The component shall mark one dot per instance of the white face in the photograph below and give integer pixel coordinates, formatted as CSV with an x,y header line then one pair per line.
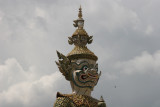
x,y
80,23
85,73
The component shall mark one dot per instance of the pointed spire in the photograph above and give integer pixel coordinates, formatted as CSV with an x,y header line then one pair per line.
x,y
80,39
80,12
79,22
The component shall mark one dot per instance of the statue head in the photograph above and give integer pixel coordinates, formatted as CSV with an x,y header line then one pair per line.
x,y
84,73
81,72
80,66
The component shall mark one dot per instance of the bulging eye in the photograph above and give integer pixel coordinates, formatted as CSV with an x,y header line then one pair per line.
x,y
85,68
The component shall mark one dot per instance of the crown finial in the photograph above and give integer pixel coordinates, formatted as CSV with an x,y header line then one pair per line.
x,y
80,39
80,36
80,12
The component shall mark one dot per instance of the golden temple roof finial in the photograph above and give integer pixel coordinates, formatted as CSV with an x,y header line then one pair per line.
x,y
79,22
80,39
80,12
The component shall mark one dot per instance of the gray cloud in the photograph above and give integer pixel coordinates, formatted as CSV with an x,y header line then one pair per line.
x,y
146,63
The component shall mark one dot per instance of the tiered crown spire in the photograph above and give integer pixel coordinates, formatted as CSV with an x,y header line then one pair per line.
x,y
80,39
80,12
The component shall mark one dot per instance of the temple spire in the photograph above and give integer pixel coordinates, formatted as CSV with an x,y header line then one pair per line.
x,y
80,36
80,12
80,39
79,22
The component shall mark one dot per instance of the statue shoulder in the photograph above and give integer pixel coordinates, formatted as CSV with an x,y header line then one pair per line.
x,y
63,101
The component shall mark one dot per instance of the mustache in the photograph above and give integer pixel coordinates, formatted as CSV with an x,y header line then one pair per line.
x,y
91,75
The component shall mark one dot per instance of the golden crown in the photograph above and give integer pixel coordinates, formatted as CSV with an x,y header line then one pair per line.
x,y
80,39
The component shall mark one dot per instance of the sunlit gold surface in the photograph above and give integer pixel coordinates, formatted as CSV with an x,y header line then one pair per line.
x,y
81,52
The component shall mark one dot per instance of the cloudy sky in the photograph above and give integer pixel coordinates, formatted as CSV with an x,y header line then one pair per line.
x,y
126,41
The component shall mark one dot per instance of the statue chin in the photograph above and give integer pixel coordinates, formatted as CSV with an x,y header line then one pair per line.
x,y
80,91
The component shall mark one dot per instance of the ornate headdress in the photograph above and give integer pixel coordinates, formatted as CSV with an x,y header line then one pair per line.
x,y
80,39
82,74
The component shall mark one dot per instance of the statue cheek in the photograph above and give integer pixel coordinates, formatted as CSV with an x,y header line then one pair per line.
x,y
76,73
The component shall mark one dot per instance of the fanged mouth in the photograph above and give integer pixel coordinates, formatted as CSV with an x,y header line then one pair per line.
x,y
92,76
84,77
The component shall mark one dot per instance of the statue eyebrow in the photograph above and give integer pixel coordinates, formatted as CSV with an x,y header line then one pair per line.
x,y
96,65
80,63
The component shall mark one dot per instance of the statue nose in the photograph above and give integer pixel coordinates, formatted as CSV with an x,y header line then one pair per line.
x,y
93,71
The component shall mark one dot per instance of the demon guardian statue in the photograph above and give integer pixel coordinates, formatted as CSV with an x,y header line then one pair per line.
x,y
80,68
